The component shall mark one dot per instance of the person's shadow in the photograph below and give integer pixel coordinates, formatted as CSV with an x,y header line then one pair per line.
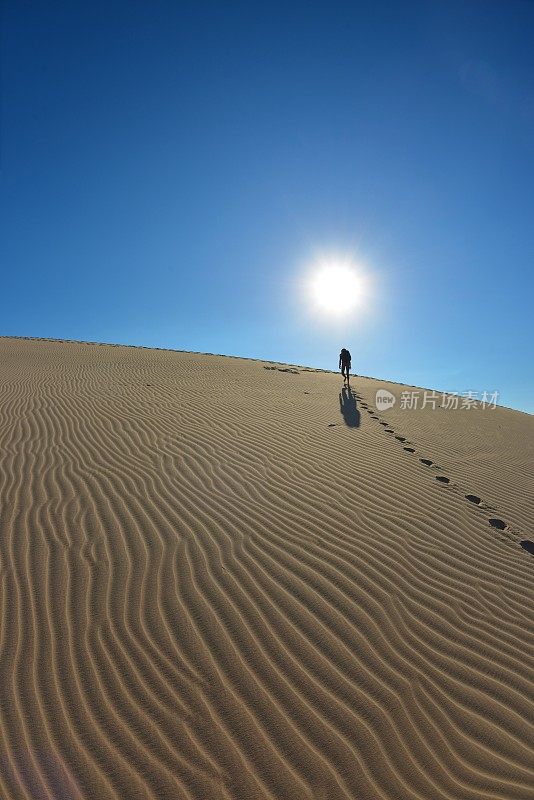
x,y
347,406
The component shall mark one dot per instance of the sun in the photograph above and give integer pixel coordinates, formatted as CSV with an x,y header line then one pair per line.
x,y
336,288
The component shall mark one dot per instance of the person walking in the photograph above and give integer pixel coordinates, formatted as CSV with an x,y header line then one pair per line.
x,y
344,365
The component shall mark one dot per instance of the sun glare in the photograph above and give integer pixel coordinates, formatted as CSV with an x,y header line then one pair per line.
x,y
336,288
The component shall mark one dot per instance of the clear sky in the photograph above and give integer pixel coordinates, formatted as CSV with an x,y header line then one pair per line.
x,y
171,172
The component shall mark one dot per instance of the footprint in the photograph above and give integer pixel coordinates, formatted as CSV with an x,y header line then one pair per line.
x,y
426,461
497,523
390,430
443,479
384,424
401,438
332,425
374,416
306,392
473,498
409,449
528,546
370,412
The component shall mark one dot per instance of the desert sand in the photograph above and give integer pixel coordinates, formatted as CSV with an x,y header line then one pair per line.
x,y
214,584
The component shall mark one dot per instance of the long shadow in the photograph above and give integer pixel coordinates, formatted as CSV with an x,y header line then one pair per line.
x,y
347,406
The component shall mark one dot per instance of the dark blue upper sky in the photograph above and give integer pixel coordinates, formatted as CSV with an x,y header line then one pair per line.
x,y
169,171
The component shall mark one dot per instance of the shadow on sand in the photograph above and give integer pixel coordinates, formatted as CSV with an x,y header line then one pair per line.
x,y
347,406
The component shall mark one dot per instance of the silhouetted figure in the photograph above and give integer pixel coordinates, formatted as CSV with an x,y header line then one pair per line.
x,y
347,406
344,365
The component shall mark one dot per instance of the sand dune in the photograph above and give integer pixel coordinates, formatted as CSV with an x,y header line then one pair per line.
x,y
214,584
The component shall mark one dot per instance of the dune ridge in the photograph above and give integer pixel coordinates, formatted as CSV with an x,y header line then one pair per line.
x,y
213,587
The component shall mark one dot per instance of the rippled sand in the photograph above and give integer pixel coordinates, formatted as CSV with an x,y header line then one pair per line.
x,y
218,582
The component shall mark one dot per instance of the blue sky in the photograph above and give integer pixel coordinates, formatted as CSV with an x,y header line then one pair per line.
x,y
171,170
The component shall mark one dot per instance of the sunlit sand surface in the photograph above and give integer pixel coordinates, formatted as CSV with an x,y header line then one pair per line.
x,y
222,579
